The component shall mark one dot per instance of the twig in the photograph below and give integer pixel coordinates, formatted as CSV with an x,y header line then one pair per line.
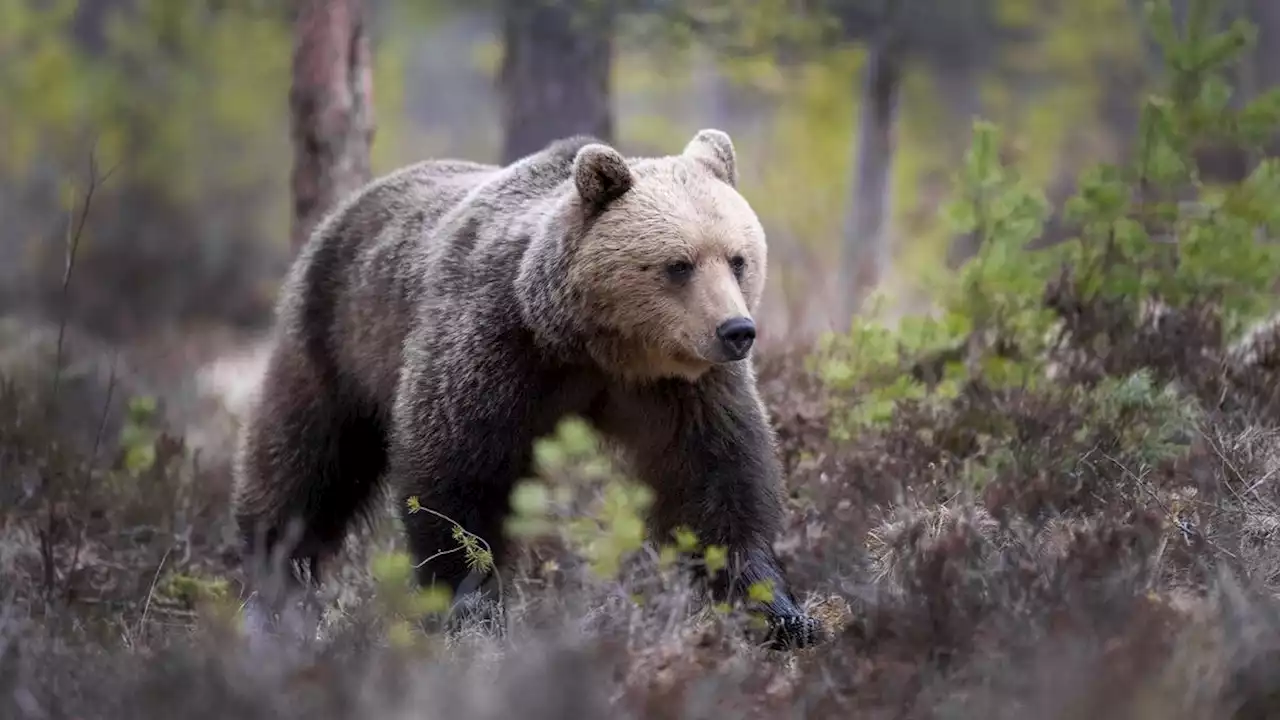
x,y
93,461
1185,528
1251,488
75,232
75,563
482,541
106,410
438,554
146,608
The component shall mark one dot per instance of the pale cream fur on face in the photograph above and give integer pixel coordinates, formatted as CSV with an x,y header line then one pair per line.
x,y
677,208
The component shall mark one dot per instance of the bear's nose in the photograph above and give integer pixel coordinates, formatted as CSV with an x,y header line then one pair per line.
x,y
736,335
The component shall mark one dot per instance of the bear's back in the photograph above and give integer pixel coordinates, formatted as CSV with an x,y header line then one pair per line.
x,y
350,294
409,246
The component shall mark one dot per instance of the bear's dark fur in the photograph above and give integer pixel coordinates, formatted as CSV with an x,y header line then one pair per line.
x,y
445,316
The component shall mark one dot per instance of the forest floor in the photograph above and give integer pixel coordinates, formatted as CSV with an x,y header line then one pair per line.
x,y
1078,579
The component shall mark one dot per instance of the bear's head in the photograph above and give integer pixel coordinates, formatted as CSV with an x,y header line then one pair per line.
x,y
668,263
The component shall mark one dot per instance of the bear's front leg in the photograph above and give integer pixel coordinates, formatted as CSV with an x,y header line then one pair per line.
x,y
461,437
708,451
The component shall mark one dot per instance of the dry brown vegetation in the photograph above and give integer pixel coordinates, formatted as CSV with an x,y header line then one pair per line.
x,y
1076,582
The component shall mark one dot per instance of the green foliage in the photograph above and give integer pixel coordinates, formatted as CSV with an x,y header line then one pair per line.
x,y
715,558
169,95
1127,425
1140,240
45,84
402,604
392,573
1140,236
193,590
139,434
616,530
761,591
168,84
1216,253
991,320
611,526
997,291
870,368
1154,424
580,499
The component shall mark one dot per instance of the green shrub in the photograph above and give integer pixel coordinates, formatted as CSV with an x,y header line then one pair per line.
x,y
1152,237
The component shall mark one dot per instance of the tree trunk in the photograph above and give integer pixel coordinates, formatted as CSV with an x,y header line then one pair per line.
x,y
331,106
556,73
1266,15
866,241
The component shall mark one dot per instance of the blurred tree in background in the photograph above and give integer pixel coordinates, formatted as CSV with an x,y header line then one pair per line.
x,y
556,73
186,101
330,103
851,117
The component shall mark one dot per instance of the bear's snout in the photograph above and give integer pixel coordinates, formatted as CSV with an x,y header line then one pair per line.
x,y
736,336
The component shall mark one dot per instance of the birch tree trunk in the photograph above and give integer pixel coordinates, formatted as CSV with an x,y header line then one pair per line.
x,y
331,108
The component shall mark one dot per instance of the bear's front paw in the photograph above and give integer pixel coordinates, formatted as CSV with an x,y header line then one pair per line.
x,y
793,632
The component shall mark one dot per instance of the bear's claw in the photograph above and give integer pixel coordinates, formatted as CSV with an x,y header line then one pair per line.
x,y
793,632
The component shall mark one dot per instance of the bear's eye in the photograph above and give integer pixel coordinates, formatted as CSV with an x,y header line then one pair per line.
x,y
680,270
738,264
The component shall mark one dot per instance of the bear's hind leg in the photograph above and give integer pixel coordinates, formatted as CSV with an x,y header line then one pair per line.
x,y
309,463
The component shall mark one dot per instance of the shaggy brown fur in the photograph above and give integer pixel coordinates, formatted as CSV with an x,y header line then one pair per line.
x,y
446,315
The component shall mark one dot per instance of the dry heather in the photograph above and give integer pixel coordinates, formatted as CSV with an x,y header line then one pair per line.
x,y
1069,570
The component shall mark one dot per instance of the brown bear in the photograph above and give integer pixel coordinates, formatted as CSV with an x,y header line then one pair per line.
x,y
445,316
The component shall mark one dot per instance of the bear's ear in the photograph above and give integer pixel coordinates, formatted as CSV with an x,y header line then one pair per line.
x,y
601,175
715,150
